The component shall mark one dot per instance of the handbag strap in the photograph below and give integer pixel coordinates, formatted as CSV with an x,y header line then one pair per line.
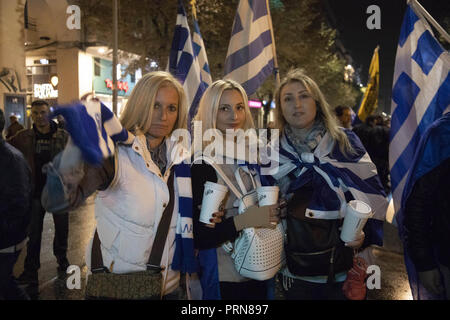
x,y
158,244
237,175
163,228
222,175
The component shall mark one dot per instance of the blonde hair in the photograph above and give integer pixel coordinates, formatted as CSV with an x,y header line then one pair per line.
x,y
209,104
137,115
324,113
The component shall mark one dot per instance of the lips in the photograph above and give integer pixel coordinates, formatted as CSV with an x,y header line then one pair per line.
x,y
159,126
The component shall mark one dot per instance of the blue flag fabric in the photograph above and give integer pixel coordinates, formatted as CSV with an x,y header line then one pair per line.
x,y
250,57
336,179
94,129
420,94
184,63
433,149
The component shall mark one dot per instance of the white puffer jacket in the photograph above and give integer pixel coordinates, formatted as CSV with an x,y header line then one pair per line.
x,y
129,211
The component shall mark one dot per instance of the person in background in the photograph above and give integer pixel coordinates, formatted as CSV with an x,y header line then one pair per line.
x,y
14,127
374,136
39,146
344,114
15,209
427,209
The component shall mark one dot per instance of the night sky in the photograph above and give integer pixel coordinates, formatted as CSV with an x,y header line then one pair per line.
x,y
350,19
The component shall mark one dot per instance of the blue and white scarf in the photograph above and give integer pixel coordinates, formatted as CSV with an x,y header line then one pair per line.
x,y
336,179
94,129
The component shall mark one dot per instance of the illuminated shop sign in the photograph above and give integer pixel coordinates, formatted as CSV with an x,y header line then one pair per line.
x,y
254,104
121,85
45,91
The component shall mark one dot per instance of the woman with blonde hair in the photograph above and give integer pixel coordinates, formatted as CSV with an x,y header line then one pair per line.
x,y
141,187
223,111
320,167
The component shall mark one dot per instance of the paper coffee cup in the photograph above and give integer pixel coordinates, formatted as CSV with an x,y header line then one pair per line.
x,y
267,195
213,196
248,200
356,215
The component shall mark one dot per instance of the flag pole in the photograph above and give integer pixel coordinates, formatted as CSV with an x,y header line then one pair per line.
x,y
275,61
115,45
194,10
428,16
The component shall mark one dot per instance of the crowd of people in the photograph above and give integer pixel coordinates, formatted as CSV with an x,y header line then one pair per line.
x,y
151,180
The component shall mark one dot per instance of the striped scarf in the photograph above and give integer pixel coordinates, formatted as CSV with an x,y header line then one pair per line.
x,y
336,179
94,129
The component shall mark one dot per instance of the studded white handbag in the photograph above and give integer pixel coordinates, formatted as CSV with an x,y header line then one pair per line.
x,y
258,253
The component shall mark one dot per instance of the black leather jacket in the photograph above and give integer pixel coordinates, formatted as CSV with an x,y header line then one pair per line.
x,y
427,219
15,195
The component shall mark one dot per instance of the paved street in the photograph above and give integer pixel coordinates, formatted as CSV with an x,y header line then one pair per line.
x,y
394,281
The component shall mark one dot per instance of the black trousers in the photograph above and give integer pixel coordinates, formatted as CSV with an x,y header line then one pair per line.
x,y
247,290
61,222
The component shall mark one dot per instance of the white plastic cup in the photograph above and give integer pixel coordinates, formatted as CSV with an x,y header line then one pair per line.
x,y
356,215
248,200
267,195
213,196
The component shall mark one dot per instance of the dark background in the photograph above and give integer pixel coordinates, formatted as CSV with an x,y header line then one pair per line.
x,y
349,17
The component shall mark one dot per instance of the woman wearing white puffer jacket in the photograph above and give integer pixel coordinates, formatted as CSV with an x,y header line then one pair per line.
x,y
134,185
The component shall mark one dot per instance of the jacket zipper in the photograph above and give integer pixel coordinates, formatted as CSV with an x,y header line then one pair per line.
x,y
315,253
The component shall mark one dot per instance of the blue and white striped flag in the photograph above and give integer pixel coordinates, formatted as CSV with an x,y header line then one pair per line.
x,y
419,96
250,54
200,53
184,64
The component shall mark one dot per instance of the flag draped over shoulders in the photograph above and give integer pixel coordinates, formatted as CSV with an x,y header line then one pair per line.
x,y
336,179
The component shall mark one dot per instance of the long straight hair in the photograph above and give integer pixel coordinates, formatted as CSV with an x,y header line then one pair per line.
x,y
137,115
209,104
323,113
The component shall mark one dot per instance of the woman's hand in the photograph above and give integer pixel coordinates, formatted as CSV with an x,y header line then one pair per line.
x,y
274,217
216,218
258,217
357,243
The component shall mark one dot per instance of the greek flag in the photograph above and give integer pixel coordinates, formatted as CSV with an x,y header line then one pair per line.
x,y
419,96
184,63
250,53
200,53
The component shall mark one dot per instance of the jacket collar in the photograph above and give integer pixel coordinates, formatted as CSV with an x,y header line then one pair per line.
x,y
175,152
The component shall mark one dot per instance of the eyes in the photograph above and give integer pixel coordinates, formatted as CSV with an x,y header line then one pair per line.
x,y
171,107
290,98
227,108
36,113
